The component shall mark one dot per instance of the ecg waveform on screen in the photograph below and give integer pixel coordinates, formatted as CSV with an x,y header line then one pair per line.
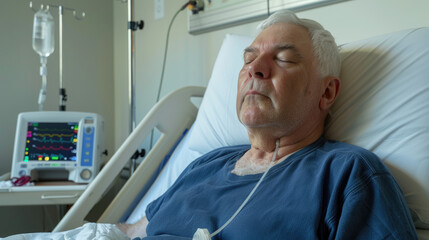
x,y
54,138
51,141
49,148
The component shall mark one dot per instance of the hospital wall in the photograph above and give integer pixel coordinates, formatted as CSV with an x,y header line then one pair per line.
x,y
88,79
191,57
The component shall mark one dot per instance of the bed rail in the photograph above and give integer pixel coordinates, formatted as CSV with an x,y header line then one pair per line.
x,y
171,116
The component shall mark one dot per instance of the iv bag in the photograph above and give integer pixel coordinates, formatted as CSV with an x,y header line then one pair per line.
x,y
43,33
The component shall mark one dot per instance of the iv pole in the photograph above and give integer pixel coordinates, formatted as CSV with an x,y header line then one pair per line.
x,y
131,67
132,27
63,95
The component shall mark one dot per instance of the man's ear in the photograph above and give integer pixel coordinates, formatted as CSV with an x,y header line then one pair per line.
x,y
332,88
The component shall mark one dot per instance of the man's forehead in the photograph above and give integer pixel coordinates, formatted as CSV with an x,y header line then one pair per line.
x,y
282,36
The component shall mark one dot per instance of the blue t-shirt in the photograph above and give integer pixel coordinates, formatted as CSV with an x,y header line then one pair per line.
x,y
328,190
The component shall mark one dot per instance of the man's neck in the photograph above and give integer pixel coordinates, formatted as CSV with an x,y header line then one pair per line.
x,y
263,144
257,159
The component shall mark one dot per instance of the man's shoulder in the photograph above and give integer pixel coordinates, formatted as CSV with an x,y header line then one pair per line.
x,y
346,153
349,166
338,146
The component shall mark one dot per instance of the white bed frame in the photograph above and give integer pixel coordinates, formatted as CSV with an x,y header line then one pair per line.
x,y
171,116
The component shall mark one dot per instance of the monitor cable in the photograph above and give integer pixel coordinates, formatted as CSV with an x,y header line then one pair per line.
x,y
189,3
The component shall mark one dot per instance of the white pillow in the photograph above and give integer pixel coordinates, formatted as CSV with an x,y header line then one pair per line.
x,y
217,123
383,106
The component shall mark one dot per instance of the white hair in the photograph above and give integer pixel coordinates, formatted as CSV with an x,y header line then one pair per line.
x,y
325,49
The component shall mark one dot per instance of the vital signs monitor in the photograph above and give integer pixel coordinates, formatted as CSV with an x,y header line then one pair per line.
x,y
62,145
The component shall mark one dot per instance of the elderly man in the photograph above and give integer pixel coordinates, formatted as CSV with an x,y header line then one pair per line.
x,y
290,183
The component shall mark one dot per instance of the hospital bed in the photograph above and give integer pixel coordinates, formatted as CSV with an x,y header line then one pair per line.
x,y
383,106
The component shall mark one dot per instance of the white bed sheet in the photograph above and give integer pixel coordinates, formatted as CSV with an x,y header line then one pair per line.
x,y
86,232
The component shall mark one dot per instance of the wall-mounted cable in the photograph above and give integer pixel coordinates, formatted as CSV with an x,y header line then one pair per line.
x,y
192,3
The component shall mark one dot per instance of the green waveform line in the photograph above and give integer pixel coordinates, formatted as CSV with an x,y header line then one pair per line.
x,y
71,129
46,140
55,135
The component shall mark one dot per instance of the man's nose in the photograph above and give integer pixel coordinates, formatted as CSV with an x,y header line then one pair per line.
x,y
259,68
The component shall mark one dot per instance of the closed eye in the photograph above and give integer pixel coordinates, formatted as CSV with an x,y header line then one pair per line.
x,y
288,54
285,60
248,59
250,54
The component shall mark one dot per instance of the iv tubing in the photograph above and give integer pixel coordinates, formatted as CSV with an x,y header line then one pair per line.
x,y
43,73
42,93
250,194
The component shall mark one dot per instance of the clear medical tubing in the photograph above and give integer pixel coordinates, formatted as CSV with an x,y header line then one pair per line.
x,y
43,44
204,234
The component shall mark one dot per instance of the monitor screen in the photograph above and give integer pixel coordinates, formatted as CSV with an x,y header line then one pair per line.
x,y
51,141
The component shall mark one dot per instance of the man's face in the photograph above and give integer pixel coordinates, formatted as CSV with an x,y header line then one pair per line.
x,y
279,86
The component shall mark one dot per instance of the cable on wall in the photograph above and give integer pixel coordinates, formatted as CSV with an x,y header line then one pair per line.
x,y
193,3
